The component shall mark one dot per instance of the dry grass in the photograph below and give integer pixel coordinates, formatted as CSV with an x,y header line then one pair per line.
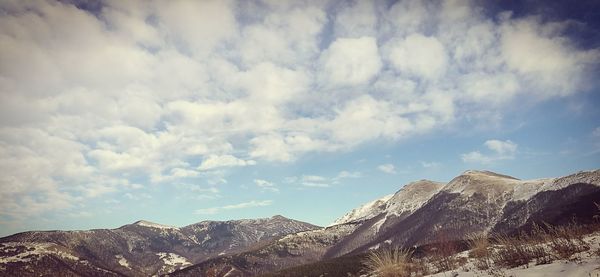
x,y
518,250
542,245
443,254
566,240
480,250
479,245
389,262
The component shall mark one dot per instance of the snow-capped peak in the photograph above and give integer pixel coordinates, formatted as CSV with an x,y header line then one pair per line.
x,y
412,196
154,225
473,172
486,182
366,211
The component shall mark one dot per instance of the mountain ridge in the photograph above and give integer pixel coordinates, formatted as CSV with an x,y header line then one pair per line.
x,y
450,210
474,202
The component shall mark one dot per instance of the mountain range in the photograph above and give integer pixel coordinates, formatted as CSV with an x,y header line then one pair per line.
x,y
420,213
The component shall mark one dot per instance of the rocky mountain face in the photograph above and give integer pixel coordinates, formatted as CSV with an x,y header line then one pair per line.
x,y
489,203
139,249
425,212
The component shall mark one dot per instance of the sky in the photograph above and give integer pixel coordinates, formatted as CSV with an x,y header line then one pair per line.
x,y
182,111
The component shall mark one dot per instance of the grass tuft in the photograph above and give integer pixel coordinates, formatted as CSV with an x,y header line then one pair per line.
x,y
389,262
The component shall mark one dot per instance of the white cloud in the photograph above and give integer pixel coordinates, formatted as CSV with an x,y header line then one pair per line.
x,y
315,181
387,168
350,61
286,36
144,90
138,196
266,185
356,20
420,56
197,192
500,150
541,55
407,16
244,205
596,132
215,161
192,22
502,147
315,185
348,174
425,164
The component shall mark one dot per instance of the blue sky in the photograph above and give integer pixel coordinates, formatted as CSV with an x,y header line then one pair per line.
x,y
183,111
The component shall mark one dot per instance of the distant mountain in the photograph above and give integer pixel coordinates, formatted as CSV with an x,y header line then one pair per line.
x,y
425,212
139,249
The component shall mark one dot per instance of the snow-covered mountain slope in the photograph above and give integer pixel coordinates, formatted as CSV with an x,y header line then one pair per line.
x,y
409,198
145,223
364,212
486,202
293,249
400,205
412,196
143,248
224,237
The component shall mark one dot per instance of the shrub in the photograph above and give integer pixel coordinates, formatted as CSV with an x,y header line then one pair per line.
x,y
389,262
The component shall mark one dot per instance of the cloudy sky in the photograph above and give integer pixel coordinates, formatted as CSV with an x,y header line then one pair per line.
x,y
183,111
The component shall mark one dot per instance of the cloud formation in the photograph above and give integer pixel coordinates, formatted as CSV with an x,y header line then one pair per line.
x,y
265,185
387,168
243,205
500,150
151,93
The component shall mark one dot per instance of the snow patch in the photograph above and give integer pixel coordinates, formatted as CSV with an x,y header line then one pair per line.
x,y
122,261
364,212
155,225
32,250
173,259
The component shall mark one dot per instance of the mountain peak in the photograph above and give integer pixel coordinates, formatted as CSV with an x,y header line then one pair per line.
x,y
473,172
482,181
365,211
279,217
149,224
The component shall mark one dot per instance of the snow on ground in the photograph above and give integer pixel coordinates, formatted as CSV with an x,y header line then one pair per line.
x,y
122,261
587,267
412,196
155,225
524,190
588,177
582,264
409,198
365,211
171,262
30,251
173,259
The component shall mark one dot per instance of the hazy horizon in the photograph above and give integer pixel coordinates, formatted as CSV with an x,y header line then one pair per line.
x,y
177,112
